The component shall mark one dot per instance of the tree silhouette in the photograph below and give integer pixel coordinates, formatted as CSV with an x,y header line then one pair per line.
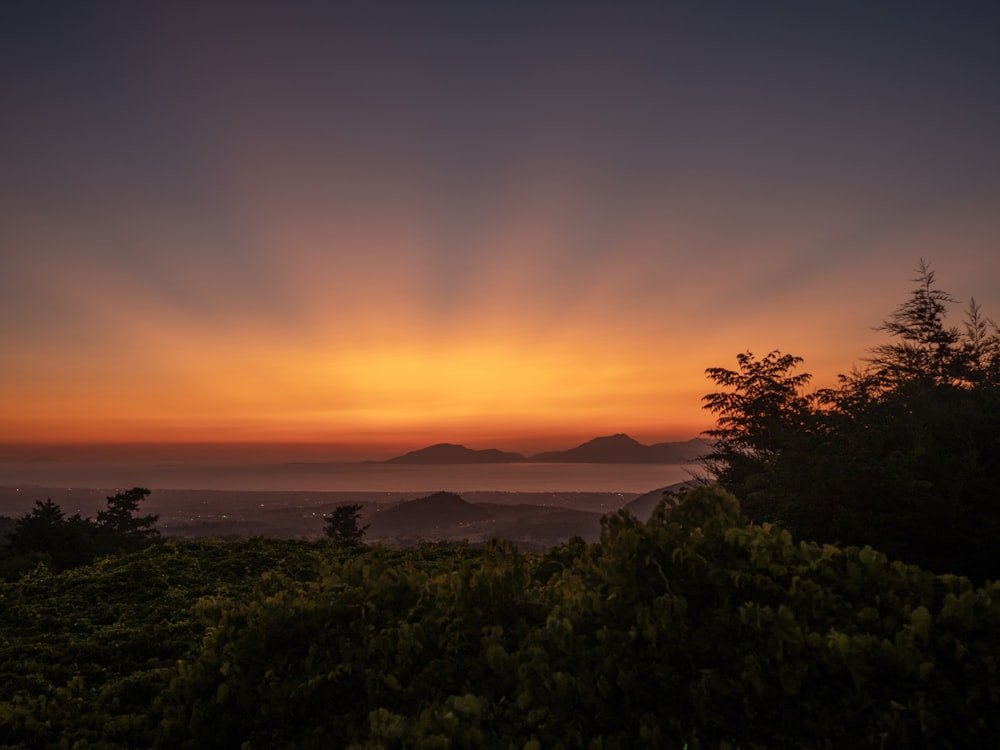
x,y
39,526
47,535
757,422
342,524
923,347
902,455
119,522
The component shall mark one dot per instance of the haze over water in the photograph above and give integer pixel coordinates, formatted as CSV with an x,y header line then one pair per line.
x,y
343,477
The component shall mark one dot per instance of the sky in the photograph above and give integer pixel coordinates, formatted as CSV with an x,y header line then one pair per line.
x,y
513,225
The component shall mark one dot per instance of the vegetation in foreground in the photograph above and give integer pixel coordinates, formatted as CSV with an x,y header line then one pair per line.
x,y
694,629
904,455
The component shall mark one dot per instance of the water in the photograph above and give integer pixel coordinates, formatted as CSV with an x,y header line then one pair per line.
x,y
343,477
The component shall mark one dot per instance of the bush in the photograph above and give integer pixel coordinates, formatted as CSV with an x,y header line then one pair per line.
x,y
694,628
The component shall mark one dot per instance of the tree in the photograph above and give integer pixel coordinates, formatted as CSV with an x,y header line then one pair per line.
x,y
119,524
7,525
925,348
342,524
36,529
980,347
757,423
902,455
46,535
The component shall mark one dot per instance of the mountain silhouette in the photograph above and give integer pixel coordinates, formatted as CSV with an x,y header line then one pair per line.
x,y
427,514
448,453
618,449
447,516
622,449
613,449
680,452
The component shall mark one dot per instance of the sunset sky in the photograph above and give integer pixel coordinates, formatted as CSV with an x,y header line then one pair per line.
x,y
512,225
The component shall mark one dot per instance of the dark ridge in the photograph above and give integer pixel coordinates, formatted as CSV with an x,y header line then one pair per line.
x,y
622,449
426,514
612,449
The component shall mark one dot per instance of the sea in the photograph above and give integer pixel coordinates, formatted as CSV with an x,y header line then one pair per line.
x,y
342,477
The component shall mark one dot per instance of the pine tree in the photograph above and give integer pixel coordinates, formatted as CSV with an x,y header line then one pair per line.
x,y
342,525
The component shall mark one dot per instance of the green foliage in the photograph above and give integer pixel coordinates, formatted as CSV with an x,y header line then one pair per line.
x,y
85,654
904,455
695,629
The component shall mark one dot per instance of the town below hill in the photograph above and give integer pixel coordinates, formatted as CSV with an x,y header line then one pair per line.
x,y
612,449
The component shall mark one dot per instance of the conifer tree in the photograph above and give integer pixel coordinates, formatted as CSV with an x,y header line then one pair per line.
x,y
342,524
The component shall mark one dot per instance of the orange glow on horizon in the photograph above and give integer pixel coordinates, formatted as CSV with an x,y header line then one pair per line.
x,y
520,229
378,371
390,393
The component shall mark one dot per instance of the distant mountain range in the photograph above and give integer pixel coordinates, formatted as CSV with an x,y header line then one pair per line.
x,y
621,449
613,449
448,453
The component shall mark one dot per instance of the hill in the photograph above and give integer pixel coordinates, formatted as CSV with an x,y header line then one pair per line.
x,y
447,516
680,452
426,515
448,453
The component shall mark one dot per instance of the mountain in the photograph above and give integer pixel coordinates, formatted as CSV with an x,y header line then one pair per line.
x,y
448,453
681,452
622,449
613,449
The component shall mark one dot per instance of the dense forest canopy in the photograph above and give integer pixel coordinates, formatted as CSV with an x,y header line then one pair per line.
x,y
904,454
